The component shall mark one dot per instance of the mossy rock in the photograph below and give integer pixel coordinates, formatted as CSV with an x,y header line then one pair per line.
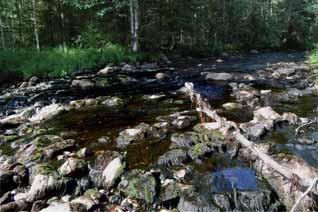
x,y
142,187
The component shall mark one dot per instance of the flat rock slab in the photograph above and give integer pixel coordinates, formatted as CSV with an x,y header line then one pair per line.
x,y
242,179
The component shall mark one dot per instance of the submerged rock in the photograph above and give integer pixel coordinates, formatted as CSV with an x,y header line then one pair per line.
x,y
219,76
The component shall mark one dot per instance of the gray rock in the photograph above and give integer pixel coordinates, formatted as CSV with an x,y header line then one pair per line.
x,y
176,157
169,191
57,207
286,71
149,66
266,113
113,102
219,76
106,70
162,76
113,171
73,167
83,84
128,67
256,131
232,106
140,186
99,166
133,135
182,122
33,81
58,148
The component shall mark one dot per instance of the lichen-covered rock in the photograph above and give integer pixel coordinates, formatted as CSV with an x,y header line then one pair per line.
x,y
73,167
169,191
140,186
59,147
132,135
88,202
176,157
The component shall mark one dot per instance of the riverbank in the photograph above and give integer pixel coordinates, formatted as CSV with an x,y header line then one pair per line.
x,y
127,137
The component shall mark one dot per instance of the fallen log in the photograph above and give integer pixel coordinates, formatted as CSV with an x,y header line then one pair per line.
x,y
288,177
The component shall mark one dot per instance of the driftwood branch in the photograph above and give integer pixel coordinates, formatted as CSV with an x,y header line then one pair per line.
x,y
227,127
305,125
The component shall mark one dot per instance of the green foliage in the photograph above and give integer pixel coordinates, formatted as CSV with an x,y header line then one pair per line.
x,y
314,57
62,61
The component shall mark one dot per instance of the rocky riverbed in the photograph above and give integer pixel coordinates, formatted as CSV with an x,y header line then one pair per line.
x,y
127,138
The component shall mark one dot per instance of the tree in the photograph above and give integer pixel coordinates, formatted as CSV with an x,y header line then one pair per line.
x,y
36,34
134,24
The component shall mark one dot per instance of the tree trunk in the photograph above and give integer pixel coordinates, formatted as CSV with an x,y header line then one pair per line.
x,y
134,24
36,34
2,34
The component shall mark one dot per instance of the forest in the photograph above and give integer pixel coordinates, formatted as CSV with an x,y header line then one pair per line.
x,y
158,105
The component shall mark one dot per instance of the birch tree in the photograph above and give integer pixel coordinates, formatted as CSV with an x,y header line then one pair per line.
x,y
35,24
134,24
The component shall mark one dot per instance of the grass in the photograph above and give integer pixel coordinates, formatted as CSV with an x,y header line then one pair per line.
x,y
313,58
57,62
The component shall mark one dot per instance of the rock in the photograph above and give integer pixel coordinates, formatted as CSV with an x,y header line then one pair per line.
x,y
6,181
73,167
132,135
20,205
106,70
182,122
244,95
46,113
18,118
99,166
104,140
83,203
57,148
256,131
127,68
176,157
57,207
84,152
169,191
291,118
33,81
219,76
232,106
164,59
113,102
47,183
162,76
196,204
140,186
254,51
199,150
286,71
83,84
112,172
266,113
148,66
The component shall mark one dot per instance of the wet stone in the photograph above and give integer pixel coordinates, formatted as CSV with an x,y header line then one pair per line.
x,y
176,157
242,179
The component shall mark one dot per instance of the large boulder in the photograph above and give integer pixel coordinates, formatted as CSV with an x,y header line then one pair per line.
x,y
133,135
266,113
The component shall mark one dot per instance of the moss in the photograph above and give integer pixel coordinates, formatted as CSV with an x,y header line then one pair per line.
x,y
197,150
